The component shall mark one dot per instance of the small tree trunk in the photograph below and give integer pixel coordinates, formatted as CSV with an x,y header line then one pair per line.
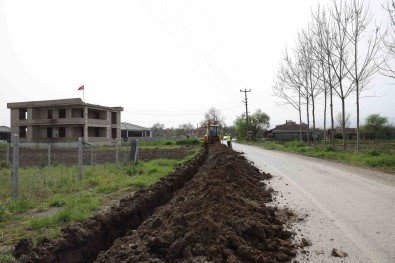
x,y
344,123
308,121
300,119
357,119
357,85
331,103
313,112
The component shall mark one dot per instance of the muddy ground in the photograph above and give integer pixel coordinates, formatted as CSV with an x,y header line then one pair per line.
x,y
211,210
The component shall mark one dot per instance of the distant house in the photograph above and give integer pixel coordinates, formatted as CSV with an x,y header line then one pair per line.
x,y
5,134
129,130
289,131
62,122
351,134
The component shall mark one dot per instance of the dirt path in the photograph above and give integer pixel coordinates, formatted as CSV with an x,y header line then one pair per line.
x,y
212,210
349,208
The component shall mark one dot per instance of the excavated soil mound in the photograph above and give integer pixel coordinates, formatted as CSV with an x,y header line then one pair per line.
x,y
215,215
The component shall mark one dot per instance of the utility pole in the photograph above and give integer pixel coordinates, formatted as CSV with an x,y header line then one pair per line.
x,y
246,103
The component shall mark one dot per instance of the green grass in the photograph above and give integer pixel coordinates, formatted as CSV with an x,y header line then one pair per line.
x,y
6,258
382,157
75,208
152,172
51,197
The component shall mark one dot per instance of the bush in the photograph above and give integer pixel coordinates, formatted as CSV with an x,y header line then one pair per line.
x,y
295,144
329,148
4,165
8,258
136,169
373,152
56,202
4,213
381,162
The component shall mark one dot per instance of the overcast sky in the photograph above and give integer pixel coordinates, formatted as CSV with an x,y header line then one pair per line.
x,y
163,61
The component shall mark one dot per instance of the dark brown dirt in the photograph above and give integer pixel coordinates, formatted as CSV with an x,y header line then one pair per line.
x,y
207,211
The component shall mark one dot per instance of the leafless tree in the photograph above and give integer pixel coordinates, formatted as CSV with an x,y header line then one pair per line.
x,y
387,67
299,71
158,129
303,74
185,129
340,55
308,45
339,120
389,130
288,89
214,116
322,52
364,59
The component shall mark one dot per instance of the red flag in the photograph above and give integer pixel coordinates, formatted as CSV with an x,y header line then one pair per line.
x,y
81,88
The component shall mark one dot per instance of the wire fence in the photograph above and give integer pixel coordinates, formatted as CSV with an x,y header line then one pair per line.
x,y
50,156
85,154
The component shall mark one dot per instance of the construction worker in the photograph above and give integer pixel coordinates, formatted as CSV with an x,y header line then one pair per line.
x,y
228,140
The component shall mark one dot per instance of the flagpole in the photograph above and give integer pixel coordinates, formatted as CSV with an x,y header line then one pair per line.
x,y
83,91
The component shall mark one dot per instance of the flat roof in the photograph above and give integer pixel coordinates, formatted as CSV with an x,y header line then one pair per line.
x,y
132,127
5,129
57,103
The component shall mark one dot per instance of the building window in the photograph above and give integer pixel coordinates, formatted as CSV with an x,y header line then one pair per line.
x,y
49,114
22,131
62,132
49,132
97,114
62,113
23,114
77,113
113,118
82,131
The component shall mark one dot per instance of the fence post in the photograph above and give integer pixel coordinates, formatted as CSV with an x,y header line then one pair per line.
x,y
49,155
116,152
80,164
137,155
15,166
91,154
7,155
134,150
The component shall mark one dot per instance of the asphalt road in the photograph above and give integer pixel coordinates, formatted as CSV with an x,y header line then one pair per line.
x,y
337,206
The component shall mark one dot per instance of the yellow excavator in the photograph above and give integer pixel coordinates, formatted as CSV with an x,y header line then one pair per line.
x,y
212,136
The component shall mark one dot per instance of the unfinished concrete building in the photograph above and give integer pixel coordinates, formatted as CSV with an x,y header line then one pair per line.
x,y
62,122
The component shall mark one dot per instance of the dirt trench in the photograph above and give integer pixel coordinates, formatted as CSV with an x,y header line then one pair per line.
x,y
211,210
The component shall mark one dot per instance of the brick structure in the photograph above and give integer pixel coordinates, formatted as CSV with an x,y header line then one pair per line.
x,y
62,122
290,131
129,130
5,134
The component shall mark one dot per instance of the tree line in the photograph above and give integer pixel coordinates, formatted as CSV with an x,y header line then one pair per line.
x,y
258,122
335,56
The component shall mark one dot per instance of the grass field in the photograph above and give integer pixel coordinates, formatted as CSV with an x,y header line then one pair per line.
x,y
374,154
50,197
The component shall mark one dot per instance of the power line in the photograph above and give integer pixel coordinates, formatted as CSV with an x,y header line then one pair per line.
x,y
177,115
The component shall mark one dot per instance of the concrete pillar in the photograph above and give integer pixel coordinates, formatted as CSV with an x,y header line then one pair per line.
x,y
86,124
